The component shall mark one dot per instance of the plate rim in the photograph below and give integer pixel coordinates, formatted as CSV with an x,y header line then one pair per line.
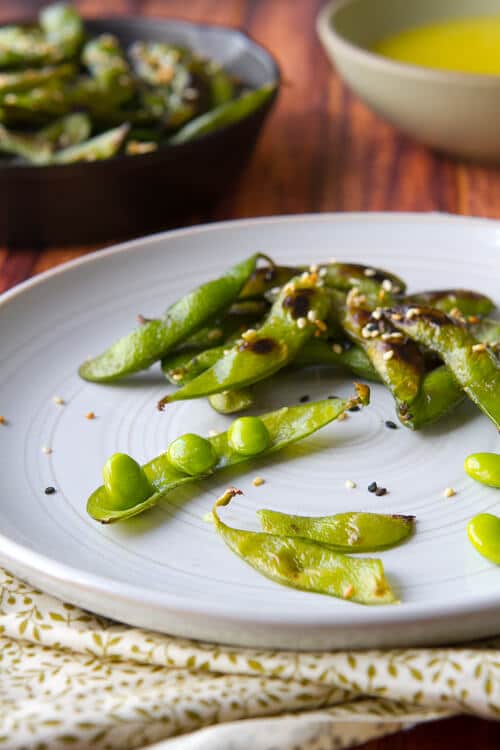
x,y
15,554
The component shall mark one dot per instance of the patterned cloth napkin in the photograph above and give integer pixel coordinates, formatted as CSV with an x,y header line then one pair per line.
x,y
71,679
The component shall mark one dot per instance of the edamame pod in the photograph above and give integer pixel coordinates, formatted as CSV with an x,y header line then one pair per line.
x,y
149,343
346,532
464,301
295,316
224,115
473,366
285,427
304,564
102,146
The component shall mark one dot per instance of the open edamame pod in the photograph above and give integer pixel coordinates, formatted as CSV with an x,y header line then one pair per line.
x,y
149,343
346,532
304,564
295,317
474,367
285,427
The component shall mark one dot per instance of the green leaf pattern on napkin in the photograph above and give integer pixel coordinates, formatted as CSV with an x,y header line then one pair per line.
x,y
73,679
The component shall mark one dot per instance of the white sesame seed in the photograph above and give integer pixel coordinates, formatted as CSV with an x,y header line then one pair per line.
x,y
58,400
337,348
311,315
449,492
301,322
388,355
387,285
369,272
176,376
46,450
349,484
249,335
377,313
258,481
479,348
413,312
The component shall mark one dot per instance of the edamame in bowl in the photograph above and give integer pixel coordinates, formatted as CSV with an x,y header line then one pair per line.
x,y
115,127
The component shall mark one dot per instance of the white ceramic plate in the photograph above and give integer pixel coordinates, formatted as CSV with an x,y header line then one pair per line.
x,y
168,570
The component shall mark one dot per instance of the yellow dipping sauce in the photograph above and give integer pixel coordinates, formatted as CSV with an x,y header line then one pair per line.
x,y
468,45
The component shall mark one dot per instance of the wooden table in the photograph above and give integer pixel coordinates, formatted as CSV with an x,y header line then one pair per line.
x,y
322,150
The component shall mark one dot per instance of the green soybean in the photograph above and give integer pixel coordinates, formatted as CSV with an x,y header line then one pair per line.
x,y
125,481
192,454
484,468
484,533
249,436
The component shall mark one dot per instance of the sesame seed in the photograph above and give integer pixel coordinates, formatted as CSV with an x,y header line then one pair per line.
x,y
337,348
390,424
369,272
479,348
342,417
380,491
456,313
258,481
387,285
176,376
90,415
377,313
249,335
449,492
58,400
46,450
349,484
388,355
397,316
348,591
301,322
372,487
2,419
353,408
304,399
472,319
413,312
311,315
49,490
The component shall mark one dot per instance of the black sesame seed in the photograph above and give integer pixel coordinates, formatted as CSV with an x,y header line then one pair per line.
x,y
339,397
304,399
372,326
50,490
380,491
353,408
372,487
391,425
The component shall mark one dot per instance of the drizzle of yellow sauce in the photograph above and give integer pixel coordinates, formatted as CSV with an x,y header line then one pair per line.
x,y
468,45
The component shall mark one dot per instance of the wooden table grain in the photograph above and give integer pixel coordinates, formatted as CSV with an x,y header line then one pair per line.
x,y
322,150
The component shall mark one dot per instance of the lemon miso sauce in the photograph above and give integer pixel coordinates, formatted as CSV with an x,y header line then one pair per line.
x,y
468,45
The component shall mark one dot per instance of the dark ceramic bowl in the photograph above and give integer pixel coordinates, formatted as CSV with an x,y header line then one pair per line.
x,y
131,195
